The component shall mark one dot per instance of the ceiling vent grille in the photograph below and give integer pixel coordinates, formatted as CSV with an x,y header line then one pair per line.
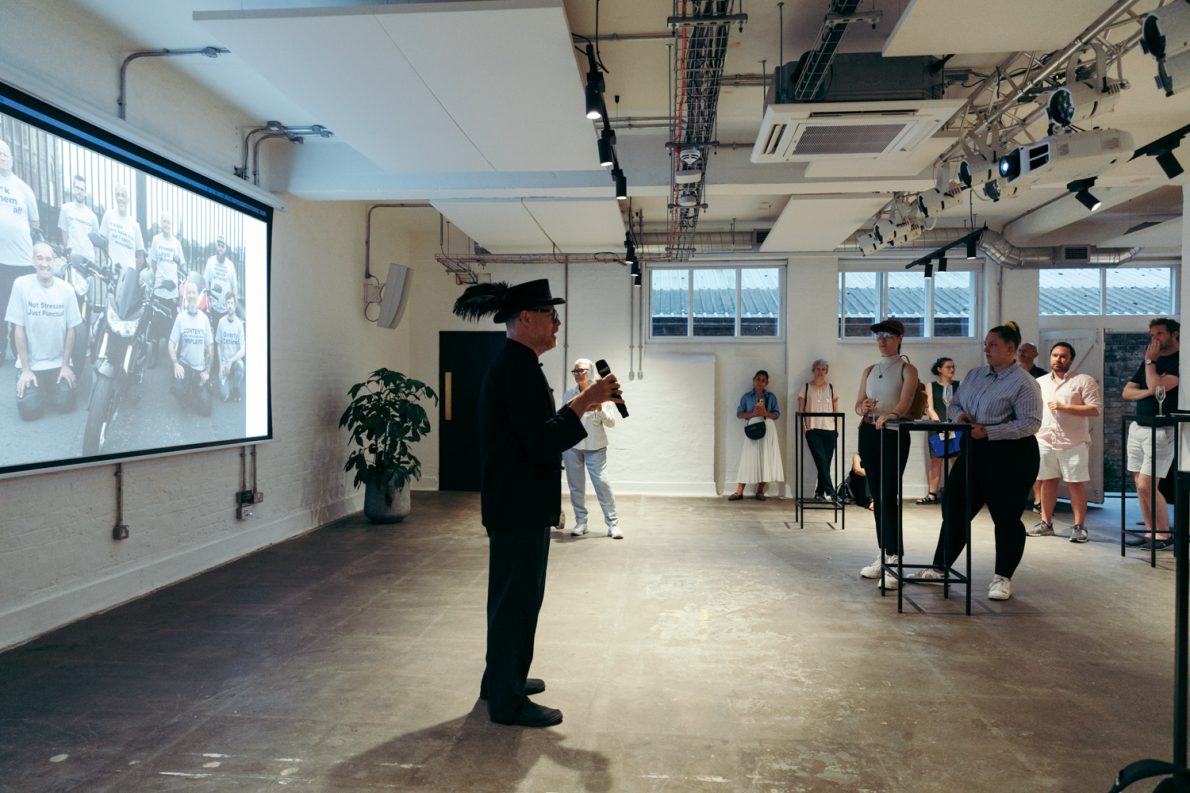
x,y
1076,254
840,130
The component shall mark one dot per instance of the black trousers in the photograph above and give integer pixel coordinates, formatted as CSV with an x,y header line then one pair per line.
x,y
822,449
516,585
1002,474
883,471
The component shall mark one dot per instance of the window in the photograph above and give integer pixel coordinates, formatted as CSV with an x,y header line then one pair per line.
x,y
715,301
1126,291
941,306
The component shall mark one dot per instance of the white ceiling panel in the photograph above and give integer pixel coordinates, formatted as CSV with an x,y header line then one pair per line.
x,y
500,226
526,115
578,226
819,223
977,26
1162,235
386,78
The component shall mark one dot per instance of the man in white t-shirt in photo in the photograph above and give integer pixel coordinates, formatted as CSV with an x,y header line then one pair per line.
x,y
1069,400
44,313
219,278
77,222
191,347
229,341
19,218
121,232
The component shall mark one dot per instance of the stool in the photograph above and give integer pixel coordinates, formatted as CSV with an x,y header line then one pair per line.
x,y
950,576
1174,421
801,503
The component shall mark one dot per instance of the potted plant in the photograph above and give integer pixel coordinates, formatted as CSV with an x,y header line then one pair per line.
x,y
384,418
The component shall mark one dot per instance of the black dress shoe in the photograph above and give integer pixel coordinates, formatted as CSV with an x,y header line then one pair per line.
x,y
533,685
533,715
1159,545
1135,540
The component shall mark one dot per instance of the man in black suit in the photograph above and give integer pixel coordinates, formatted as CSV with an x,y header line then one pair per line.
x,y
521,440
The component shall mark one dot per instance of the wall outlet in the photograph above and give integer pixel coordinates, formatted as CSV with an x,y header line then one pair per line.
x,y
120,531
249,497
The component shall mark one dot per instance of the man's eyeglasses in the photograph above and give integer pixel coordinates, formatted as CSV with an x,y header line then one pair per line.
x,y
578,371
886,335
553,312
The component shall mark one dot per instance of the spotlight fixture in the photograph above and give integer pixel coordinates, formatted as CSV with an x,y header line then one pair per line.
x,y
929,268
635,273
607,153
621,184
594,88
1082,193
629,250
942,263
1165,34
1162,149
972,244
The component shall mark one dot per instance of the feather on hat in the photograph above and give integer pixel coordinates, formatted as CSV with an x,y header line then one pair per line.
x,y
503,300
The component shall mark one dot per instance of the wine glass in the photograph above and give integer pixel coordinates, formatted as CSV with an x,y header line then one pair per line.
x,y
1159,392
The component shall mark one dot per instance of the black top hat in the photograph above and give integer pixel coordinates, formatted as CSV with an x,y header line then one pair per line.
x,y
531,294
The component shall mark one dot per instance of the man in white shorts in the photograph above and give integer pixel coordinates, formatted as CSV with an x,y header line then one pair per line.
x,y
1159,371
1069,399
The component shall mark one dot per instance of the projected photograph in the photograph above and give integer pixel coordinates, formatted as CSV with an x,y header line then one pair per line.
x,y
134,299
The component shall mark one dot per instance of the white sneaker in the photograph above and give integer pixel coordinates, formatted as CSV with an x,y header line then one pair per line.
x,y
890,580
1001,588
928,574
615,533
873,570
579,530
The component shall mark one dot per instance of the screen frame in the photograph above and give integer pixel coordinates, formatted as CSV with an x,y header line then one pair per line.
x,y
57,121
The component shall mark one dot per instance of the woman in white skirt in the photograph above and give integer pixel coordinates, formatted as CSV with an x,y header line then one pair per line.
x,y
760,459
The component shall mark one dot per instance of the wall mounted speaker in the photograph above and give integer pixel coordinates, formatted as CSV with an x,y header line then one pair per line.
x,y
394,295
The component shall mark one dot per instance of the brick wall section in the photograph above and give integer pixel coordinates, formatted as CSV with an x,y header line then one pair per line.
x,y
1122,353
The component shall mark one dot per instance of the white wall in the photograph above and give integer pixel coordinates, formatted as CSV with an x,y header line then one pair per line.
x,y
57,559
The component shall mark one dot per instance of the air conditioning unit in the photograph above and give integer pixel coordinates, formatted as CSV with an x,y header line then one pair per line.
x,y
848,130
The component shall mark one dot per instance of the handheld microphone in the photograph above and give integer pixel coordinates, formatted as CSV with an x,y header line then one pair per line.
x,y
604,370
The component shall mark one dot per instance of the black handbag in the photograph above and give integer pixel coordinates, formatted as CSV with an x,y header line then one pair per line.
x,y
755,430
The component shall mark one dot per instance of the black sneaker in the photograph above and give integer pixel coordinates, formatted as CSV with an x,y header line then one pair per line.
x,y
1159,545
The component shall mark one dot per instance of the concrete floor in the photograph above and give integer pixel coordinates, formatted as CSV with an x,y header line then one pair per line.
x,y
716,648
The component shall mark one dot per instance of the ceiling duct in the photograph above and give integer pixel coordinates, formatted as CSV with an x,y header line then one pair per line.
x,y
700,47
1000,251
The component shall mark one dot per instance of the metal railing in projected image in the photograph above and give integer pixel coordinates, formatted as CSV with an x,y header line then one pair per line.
x,y
48,164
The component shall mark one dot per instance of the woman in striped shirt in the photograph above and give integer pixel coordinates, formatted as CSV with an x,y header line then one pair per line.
x,y
1002,402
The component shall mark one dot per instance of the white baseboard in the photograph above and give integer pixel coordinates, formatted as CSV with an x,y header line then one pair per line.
x,y
25,621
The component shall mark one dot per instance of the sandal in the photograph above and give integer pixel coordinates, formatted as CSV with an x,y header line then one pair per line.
x,y
931,498
735,497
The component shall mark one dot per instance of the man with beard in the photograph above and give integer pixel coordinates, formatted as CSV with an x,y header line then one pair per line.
x,y
1064,440
191,347
44,313
77,222
1159,370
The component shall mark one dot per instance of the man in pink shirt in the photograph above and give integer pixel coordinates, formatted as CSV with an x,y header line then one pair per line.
x,y
1070,399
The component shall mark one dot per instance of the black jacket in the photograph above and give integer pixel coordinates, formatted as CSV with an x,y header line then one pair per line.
x,y
521,440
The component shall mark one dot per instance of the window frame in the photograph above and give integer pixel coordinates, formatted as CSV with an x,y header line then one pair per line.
x,y
881,270
1172,310
737,267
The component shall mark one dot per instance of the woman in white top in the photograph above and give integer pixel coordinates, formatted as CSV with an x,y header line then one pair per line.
x,y
886,392
590,456
822,435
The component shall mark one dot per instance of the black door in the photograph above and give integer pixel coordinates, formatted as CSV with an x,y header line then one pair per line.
x,y
463,360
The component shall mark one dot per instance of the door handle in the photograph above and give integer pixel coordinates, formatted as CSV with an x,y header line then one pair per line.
x,y
447,391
